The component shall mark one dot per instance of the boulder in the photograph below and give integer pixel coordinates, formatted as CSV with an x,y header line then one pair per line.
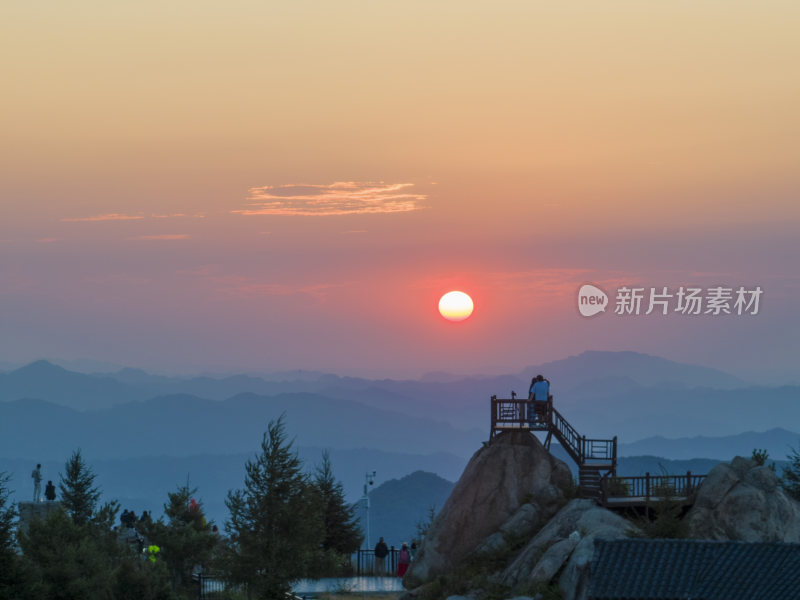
x,y
743,501
594,524
553,559
511,471
558,528
423,591
566,544
524,522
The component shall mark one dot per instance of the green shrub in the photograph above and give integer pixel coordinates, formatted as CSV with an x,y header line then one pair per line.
x,y
618,487
664,489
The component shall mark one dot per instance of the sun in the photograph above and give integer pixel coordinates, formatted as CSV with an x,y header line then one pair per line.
x,y
455,306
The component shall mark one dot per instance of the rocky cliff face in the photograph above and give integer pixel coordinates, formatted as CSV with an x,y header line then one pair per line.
x,y
514,470
509,509
743,501
565,546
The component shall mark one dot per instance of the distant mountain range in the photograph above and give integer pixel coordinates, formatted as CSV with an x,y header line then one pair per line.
x,y
642,369
778,442
43,380
615,393
183,425
143,433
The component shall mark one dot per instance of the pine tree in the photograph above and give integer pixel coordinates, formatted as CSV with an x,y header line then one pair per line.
x,y
7,516
78,496
74,554
185,539
275,525
342,534
790,478
70,561
13,580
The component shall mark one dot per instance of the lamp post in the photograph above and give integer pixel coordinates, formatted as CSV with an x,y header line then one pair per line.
x,y
369,479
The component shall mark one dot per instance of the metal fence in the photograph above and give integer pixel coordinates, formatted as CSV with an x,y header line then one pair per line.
x,y
362,563
367,564
210,587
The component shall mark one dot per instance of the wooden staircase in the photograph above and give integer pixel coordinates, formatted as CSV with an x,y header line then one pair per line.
x,y
589,478
595,458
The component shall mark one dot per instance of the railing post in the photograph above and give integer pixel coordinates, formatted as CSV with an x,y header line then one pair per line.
x,y
689,485
493,421
583,449
614,457
647,486
604,489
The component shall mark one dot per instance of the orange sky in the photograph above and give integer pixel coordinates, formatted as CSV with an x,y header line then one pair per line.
x,y
156,164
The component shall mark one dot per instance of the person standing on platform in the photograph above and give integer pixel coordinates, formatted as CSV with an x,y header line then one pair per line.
x,y
50,491
403,560
539,392
381,551
37,483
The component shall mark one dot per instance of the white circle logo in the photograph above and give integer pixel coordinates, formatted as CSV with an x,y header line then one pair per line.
x,y
591,300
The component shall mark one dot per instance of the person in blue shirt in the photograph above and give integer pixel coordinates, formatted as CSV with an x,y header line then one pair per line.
x,y
540,388
539,392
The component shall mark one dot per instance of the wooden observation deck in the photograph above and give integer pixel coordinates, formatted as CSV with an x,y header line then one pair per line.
x,y
596,458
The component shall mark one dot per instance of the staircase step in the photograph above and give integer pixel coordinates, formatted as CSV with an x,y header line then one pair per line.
x,y
588,492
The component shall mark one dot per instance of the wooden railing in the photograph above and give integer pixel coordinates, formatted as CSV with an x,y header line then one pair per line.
x,y
568,436
649,486
519,413
593,456
541,416
599,450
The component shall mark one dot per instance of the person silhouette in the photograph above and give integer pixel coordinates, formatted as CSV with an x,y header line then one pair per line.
x,y
381,551
50,491
539,392
36,474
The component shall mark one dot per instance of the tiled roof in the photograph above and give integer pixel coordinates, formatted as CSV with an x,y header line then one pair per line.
x,y
638,569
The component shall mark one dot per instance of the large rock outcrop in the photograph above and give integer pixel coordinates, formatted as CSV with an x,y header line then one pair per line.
x,y
565,545
512,471
743,501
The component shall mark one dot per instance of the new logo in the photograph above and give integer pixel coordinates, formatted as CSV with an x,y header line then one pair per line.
x,y
591,300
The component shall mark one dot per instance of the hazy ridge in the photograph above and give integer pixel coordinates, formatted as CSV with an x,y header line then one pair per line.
x,y
144,433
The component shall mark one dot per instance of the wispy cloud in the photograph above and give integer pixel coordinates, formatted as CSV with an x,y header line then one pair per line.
x,y
207,270
162,236
339,198
558,281
105,217
47,240
124,217
246,287
318,291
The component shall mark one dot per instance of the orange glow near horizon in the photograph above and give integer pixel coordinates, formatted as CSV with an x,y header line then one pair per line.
x,y
456,306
